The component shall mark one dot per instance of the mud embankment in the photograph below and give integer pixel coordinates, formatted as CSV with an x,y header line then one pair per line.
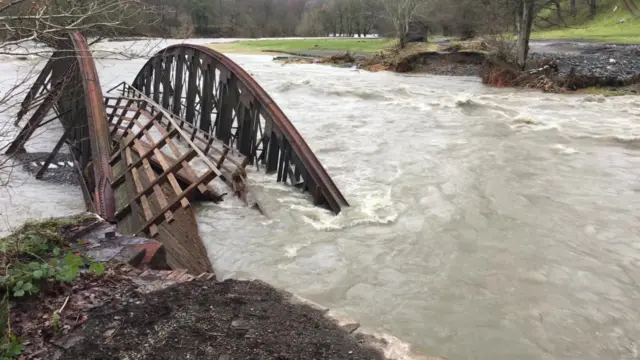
x,y
138,308
463,63
548,77
559,68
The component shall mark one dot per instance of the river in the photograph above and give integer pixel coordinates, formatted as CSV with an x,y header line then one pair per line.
x,y
485,223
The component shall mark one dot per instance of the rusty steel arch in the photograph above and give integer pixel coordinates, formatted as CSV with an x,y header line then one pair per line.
x,y
69,85
98,129
217,99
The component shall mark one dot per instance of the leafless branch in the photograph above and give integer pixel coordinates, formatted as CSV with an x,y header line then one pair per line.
x,y
49,22
29,30
401,13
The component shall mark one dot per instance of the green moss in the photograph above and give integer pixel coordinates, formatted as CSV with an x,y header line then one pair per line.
x,y
33,257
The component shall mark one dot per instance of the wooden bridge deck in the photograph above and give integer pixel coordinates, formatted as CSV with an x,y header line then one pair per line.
x,y
153,189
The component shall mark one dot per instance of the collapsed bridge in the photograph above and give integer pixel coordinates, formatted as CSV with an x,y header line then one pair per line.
x,y
133,149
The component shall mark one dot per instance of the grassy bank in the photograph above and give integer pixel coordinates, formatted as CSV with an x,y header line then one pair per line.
x,y
36,263
603,28
367,46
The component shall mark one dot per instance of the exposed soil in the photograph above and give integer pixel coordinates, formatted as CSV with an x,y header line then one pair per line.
x,y
44,320
546,75
449,63
122,315
553,66
213,320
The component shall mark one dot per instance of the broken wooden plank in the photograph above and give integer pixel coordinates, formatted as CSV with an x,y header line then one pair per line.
x,y
158,181
160,143
160,197
133,176
175,203
163,163
181,175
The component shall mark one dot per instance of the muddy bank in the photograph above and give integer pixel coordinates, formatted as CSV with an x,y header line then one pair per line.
x,y
147,311
430,62
437,63
214,320
552,74
554,67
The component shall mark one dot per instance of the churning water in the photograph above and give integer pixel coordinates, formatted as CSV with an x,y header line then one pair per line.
x,y
485,223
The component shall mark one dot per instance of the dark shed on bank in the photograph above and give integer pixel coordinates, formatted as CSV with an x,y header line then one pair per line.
x,y
418,32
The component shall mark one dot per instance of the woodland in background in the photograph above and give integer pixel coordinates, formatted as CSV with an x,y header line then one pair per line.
x,y
393,18
48,21
282,18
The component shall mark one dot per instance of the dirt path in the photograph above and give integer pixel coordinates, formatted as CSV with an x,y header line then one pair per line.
x,y
568,46
320,53
230,320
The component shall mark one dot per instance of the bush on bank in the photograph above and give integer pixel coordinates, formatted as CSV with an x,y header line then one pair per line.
x,y
36,262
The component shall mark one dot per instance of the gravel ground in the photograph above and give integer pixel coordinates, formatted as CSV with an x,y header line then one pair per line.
x,y
621,61
61,170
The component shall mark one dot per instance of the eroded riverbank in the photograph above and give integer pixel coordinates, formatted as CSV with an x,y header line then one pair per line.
x,y
552,66
118,301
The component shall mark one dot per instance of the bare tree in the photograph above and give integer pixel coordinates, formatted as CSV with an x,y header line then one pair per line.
x,y
367,13
593,7
29,28
524,32
312,24
48,22
401,13
574,10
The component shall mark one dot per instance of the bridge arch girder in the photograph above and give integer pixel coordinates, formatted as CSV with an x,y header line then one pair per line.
x,y
218,98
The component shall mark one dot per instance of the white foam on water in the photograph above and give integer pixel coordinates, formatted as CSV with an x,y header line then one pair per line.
x,y
565,150
529,124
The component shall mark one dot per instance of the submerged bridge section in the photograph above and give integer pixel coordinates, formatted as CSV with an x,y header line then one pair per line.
x,y
134,148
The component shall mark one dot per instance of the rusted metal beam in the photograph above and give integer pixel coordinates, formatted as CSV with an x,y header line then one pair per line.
x,y
53,154
192,88
37,87
98,129
17,145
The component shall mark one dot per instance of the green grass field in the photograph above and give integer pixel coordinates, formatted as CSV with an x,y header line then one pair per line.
x,y
603,28
301,45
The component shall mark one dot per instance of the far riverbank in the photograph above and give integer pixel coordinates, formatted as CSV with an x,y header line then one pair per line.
x,y
582,66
